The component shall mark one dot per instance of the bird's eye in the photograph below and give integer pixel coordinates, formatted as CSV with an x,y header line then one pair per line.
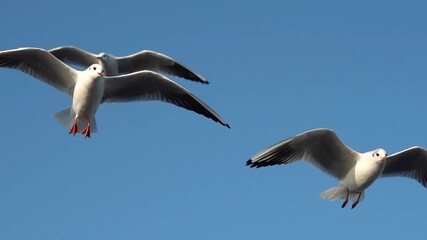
x,y
94,68
377,154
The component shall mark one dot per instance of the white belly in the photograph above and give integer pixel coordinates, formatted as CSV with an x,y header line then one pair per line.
x,y
87,97
362,175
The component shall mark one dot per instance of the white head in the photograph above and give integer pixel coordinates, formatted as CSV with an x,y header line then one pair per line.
x,y
105,57
379,155
96,69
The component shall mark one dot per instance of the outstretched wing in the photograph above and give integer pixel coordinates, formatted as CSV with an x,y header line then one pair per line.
x,y
150,60
74,55
411,162
148,85
320,147
42,65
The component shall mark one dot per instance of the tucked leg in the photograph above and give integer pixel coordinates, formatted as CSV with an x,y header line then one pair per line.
x,y
74,129
346,199
86,131
357,201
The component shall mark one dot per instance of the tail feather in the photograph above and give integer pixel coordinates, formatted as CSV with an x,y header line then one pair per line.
x,y
93,127
66,118
334,193
353,196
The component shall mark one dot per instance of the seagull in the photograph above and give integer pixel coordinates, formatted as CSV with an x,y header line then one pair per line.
x,y
355,171
143,60
90,88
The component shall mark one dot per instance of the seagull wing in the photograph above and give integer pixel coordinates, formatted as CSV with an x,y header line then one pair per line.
x,y
42,65
411,163
150,60
148,85
320,147
74,55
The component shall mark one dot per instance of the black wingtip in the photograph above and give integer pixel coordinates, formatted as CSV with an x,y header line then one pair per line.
x,y
182,71
202,81
255,164
228,126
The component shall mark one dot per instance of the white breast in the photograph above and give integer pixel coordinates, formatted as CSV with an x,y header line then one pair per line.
x,y
87,95
363,174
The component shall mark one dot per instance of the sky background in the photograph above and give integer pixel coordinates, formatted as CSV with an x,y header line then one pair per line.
x,y
156,171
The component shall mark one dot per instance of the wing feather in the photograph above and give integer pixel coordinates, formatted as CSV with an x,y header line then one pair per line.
x,y
74,55
42,65
411,163
148,85
320,147
150,60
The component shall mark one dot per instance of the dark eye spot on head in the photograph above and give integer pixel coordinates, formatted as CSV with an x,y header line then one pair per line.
x,y
377,154
94,68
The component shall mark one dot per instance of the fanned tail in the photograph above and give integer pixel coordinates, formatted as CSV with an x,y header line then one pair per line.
x,y
334,193
93,127
66,118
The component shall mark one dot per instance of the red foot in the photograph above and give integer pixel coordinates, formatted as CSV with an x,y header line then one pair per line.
x,y
356,202
74,129
346,199
86,131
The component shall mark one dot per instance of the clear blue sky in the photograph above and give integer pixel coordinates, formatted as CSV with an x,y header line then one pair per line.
x,y
156,171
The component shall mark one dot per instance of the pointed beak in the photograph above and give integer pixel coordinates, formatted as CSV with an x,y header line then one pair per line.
x,y
384,158
101,74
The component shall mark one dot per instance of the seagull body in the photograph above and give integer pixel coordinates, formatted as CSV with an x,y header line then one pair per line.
x,y
87,97
355,171
365,171
143,60
90,88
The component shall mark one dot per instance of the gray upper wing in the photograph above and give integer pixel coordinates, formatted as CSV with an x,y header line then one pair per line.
x,y
320,147
411,163
150,60
42,65
74,55
148,85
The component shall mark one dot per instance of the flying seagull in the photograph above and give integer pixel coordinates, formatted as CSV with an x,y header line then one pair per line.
x,y
355,171
143,60
90,88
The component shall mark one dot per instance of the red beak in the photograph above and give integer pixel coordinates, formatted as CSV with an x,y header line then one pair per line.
x,y
101,74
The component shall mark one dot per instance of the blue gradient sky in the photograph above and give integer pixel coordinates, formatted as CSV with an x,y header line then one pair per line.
x,y
155,171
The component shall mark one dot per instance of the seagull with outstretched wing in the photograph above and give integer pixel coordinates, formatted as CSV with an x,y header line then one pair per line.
x,y
90,88
355,171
